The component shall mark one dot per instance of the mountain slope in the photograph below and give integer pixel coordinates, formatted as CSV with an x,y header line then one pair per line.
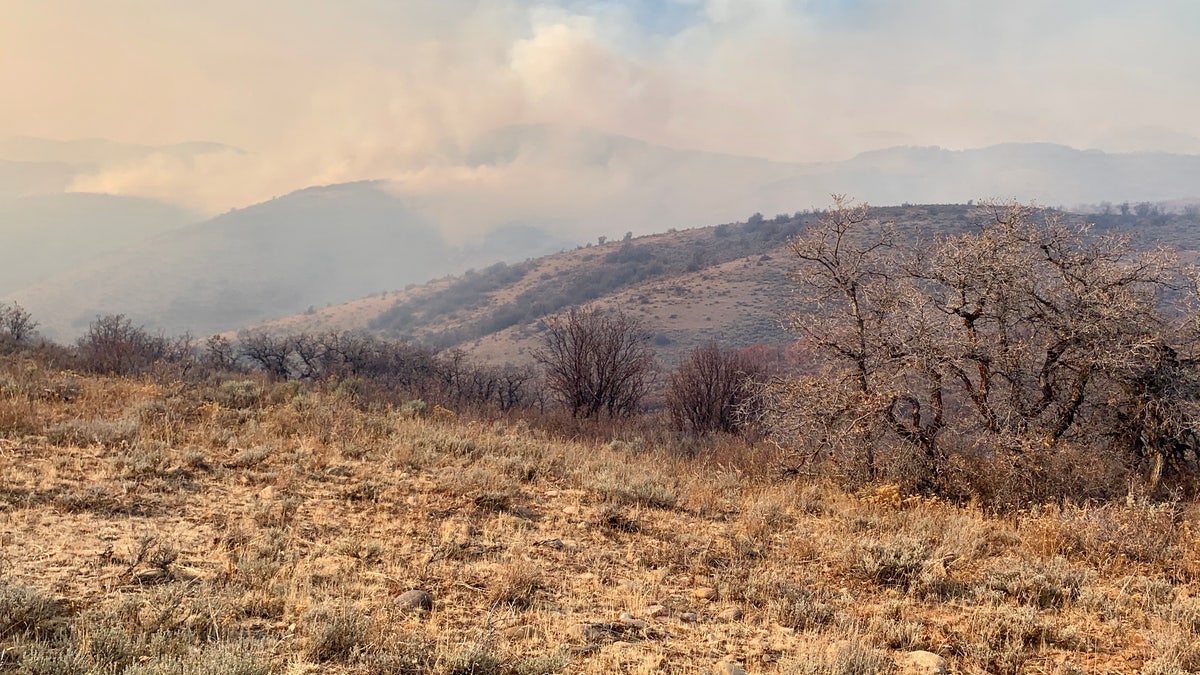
x,y
49,234
726,283
315,246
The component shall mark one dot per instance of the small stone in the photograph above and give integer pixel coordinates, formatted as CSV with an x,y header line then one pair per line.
x,y
727,668
266,494
654,611
688,617
635,623
571,510
922,663
731,614
625,616
705,593
414,601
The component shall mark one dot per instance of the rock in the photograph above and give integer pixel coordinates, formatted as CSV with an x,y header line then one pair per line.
x,y
625,616
635,623
414,601
654,611
727,668
922,663
688,617
731,614
705,593
266,494
520,633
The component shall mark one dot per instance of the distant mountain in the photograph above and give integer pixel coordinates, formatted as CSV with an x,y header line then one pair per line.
x,y
1050,174
306,249
604,184
48,234
24,179
515,193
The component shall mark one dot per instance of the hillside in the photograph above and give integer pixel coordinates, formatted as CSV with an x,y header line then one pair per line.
x,y
159,527
726,283
56,233
317,246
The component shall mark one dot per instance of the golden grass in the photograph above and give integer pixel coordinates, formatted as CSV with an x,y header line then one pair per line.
x,y
149,528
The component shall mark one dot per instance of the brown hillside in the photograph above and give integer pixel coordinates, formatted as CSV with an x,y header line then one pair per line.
x,y
726,283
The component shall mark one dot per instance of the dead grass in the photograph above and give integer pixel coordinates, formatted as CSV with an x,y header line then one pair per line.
x,y
148,528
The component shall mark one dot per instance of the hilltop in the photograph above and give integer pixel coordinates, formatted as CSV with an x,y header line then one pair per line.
x,y
726,283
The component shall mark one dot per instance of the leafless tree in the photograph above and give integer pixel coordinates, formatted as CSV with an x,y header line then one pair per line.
x,y
596,363
113,345
274,354
219,355
710,389
1027,335
16,325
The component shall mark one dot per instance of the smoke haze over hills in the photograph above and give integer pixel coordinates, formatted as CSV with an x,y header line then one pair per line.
x,y
132,131
366,89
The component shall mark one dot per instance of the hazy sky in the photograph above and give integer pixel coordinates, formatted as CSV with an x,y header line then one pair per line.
x,y
330,90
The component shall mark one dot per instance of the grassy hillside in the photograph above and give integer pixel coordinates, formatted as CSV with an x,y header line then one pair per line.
x,y
726,283
158,527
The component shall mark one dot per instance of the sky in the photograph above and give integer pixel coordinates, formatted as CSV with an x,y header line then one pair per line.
x,y
323,91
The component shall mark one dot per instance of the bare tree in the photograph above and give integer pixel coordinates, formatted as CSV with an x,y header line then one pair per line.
x,y
219,355
274,354
16,325
113,345
596,363
1025,336
710,389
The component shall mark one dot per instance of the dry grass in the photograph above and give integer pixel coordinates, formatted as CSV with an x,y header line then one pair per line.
x,y
156,528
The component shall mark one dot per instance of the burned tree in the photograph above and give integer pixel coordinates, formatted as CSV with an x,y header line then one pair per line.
x,y
596,363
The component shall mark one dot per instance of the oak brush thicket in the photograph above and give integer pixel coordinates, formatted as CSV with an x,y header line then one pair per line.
x,y
1025,359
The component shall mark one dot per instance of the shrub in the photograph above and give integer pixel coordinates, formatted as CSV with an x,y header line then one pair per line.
x,y
711,388
334,633
27,612
114,346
